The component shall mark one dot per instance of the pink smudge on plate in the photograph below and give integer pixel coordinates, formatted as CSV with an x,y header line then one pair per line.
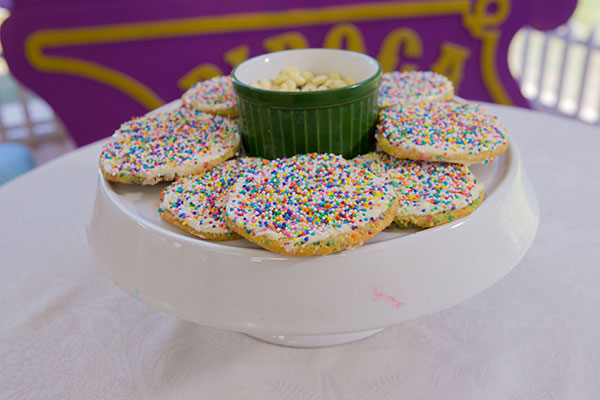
x,y
380,295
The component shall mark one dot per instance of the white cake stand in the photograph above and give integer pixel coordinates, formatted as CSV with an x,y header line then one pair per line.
x,y
400,275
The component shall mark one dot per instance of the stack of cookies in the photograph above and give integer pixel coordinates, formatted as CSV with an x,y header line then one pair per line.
x,y
428,140
190,139
310,203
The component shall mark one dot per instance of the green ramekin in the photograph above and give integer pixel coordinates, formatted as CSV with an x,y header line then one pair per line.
x,y
277,124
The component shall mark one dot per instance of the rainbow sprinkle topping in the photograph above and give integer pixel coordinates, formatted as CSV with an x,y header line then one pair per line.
x,y
166,145
440,129
211,95
198,201
424,187
413,87
308,199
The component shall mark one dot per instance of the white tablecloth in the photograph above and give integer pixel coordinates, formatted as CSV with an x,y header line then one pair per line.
x,y
66,331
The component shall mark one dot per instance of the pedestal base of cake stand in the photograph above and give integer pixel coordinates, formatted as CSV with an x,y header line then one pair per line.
x,y
314,340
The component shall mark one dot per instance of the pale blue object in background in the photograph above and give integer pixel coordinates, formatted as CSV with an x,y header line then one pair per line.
x,y
15,159
8,4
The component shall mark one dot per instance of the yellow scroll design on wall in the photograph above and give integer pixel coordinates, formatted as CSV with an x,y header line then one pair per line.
x,y
477,20
483,24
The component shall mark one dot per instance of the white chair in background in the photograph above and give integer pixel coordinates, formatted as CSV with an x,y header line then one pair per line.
x,y
28,119
559,71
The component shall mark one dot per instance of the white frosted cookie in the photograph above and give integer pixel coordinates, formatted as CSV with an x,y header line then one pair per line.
x,y
413,87
429,193
214,95
463,133
196,203
164,146
310,204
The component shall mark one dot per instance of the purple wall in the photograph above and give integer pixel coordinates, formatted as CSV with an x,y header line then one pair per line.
x,y
100,63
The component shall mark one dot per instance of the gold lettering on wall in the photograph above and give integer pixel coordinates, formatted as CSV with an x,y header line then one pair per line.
x,y
409,67
400,38
236,55
451,62
285,41
345,36
482,19
199,73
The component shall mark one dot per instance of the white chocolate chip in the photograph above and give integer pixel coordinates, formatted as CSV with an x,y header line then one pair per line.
x,y
290,71
291,85
290,79
319,79
298,79
264,84
307,75
280,79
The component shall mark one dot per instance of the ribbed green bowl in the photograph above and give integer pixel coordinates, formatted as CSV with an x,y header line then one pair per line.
x,y
281,124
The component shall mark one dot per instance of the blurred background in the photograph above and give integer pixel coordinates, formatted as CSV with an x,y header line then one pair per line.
x,y
26,118
69,78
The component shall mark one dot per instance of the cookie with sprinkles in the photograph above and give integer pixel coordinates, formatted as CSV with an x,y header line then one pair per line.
x,y
168,145
456,132
196,203
429,193
310,204
214,96
413,87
